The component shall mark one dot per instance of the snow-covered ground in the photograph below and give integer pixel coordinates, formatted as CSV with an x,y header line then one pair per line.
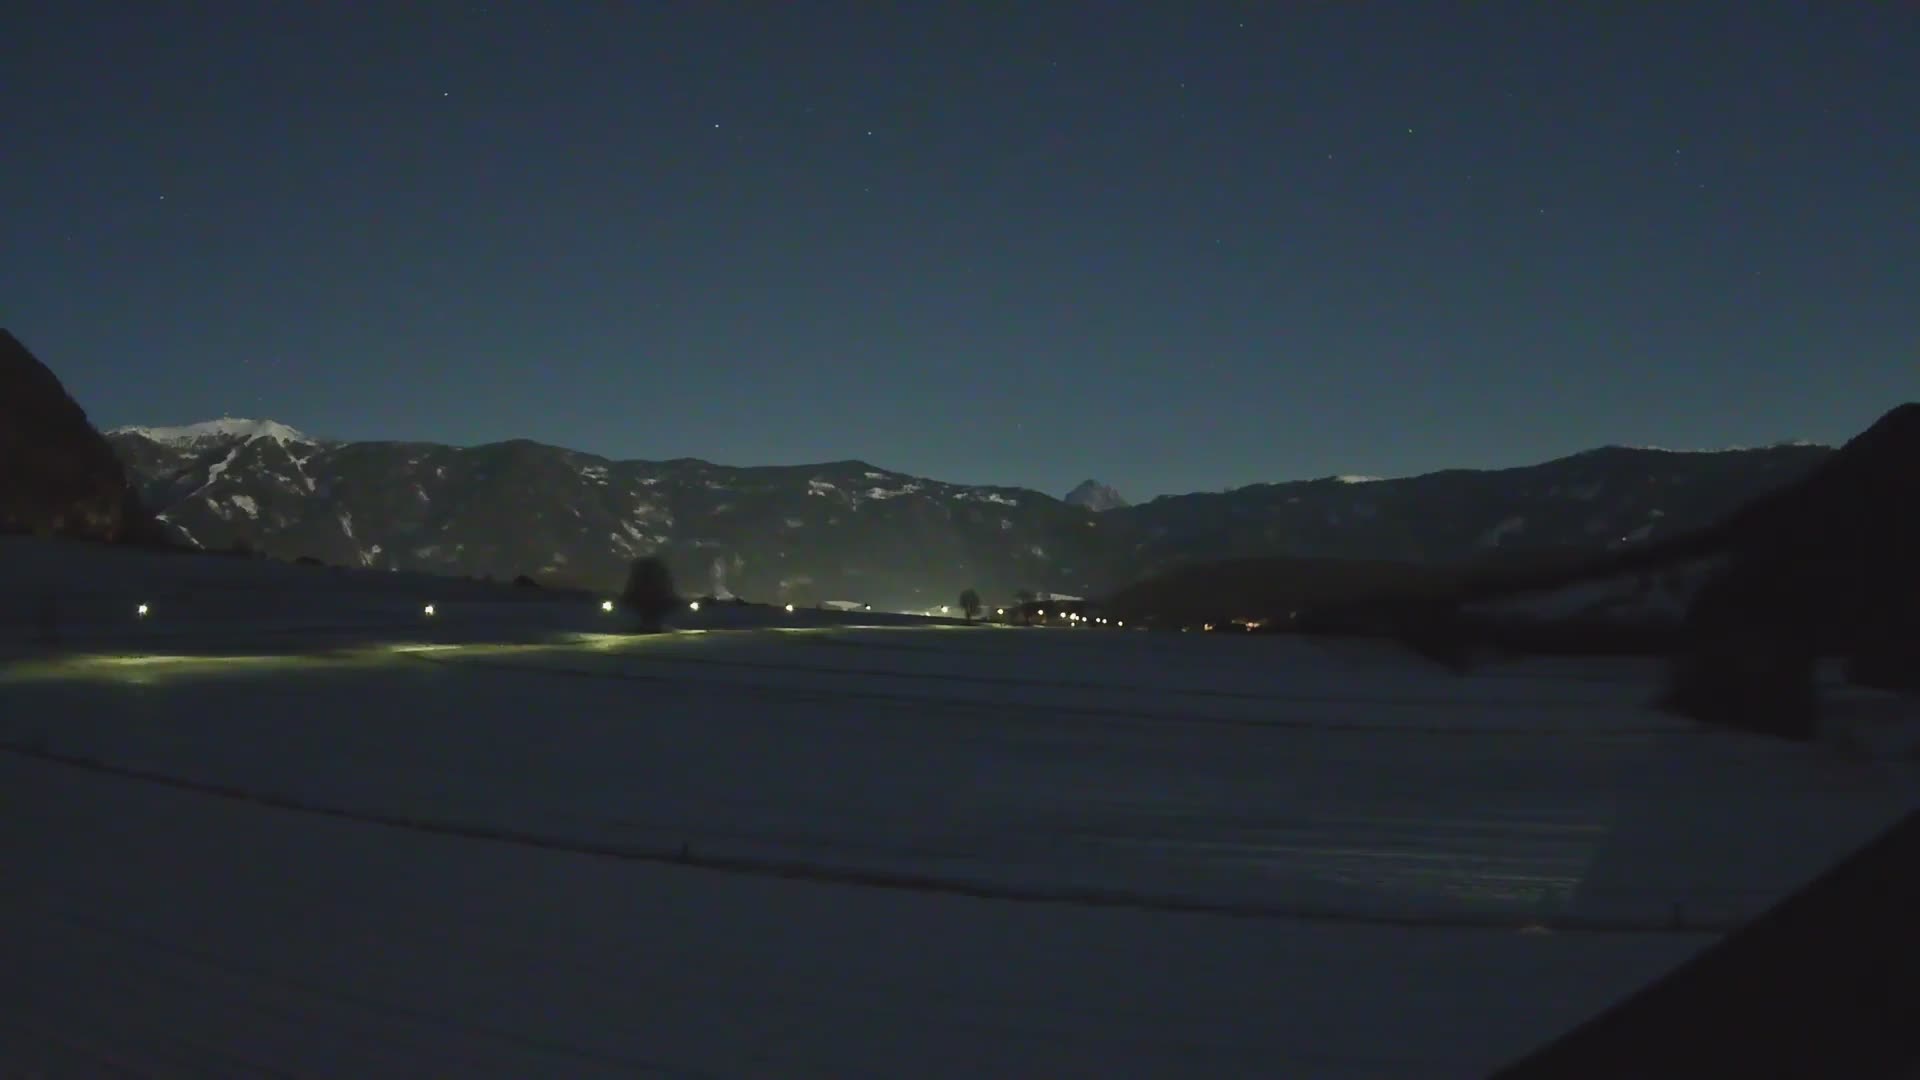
x,y
289,822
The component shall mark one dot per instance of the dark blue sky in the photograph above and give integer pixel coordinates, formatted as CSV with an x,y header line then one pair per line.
x,y
1170,246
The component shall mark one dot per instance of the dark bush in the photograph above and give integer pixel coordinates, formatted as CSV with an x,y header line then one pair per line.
x,y
525,582
649,593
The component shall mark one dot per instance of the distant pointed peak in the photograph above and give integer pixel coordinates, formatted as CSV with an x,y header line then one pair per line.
x,y
1095,496
227,427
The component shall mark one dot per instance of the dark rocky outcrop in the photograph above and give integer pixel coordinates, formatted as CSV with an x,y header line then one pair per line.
x,y
58,476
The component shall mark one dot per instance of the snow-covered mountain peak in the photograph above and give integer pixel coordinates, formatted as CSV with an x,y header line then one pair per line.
x,y
226,428
1095,496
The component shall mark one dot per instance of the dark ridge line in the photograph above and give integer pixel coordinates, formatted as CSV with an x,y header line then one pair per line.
x,y
892,881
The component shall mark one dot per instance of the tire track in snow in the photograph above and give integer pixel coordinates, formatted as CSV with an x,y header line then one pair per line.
x,y
822,874
1043,710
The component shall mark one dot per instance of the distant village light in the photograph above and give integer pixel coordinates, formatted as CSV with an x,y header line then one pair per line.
x,y
606,605
693,606
789,609
142,610
428,610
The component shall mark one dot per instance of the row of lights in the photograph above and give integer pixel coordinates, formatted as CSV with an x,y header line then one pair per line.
x,y
605,605
1076,617
143,610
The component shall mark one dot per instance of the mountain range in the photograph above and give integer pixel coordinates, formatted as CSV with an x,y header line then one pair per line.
x,y
849,530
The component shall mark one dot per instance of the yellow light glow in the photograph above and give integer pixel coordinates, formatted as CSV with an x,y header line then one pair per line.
x,y
694,606
142,610
428,610
789,609
606,605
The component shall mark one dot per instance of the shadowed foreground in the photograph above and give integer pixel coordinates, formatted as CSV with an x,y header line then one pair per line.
x,y
1826,984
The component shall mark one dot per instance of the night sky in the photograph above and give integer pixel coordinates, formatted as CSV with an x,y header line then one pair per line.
x,y
1174,247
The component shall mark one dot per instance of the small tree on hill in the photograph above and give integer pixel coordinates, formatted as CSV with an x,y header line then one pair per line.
x,y
970,604
649,594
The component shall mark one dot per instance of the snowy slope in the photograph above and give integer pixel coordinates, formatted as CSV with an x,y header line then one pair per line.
x,y
470,844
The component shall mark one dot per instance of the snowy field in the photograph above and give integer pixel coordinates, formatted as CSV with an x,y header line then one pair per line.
x,y
290,825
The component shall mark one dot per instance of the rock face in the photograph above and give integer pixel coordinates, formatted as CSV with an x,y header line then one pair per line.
x,y
1095,496
58,476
